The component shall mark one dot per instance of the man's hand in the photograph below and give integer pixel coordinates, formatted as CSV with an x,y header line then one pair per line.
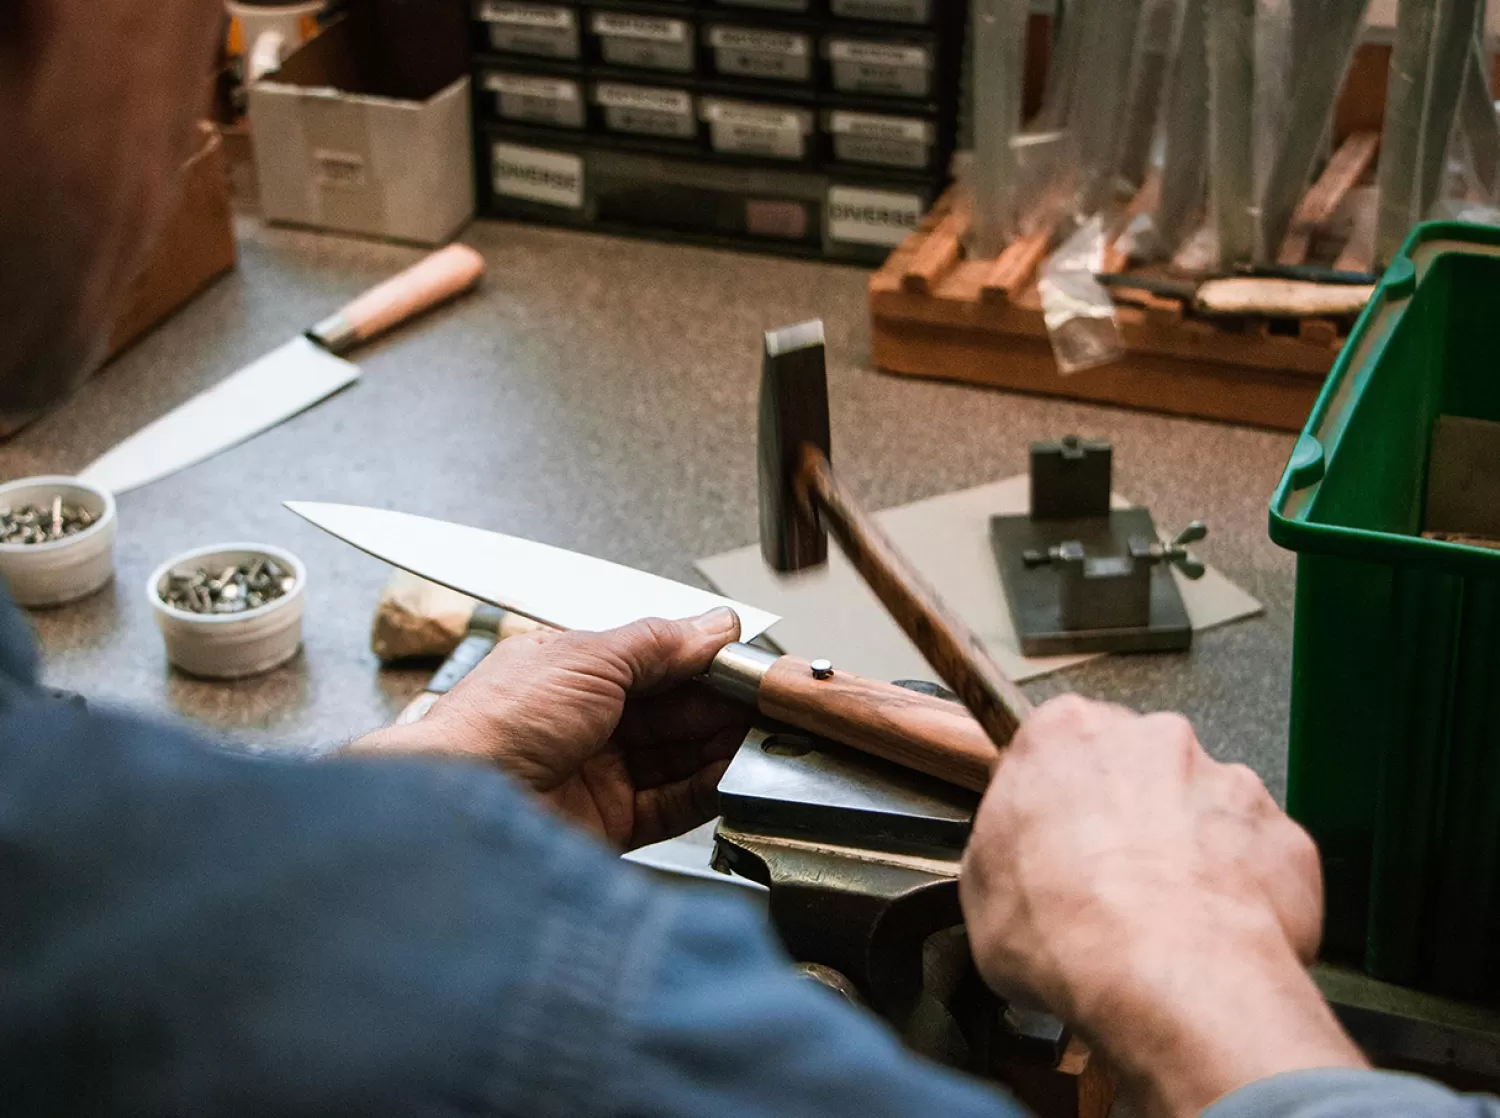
x,y
605,727
1155,898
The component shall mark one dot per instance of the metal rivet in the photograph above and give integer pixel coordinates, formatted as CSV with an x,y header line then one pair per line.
x,y
822,669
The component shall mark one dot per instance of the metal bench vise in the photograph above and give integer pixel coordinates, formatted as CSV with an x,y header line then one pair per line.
x,y
861,860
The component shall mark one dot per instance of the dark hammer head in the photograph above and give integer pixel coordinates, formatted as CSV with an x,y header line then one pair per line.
x,y
793,415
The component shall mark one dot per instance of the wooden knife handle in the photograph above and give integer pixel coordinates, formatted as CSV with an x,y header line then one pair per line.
x,y
931,735
444,274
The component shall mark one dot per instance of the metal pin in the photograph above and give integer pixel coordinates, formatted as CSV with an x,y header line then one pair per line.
x,y
822,669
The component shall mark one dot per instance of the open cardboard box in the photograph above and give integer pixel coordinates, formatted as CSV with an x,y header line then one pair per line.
x,y
349,139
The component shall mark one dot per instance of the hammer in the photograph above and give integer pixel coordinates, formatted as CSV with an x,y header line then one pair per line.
x,y
801,502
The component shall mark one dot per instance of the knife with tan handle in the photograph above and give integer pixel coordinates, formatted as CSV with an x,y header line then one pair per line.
x,y
286,381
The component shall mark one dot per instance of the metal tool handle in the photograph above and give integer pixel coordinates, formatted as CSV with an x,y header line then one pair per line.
x,y
441,276
949,645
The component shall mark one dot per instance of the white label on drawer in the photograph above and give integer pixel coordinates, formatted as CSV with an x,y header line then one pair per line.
x,y
865,67
872,126
878,54
526,15
872,217
764,42
762,54
547,31
545,89
643,97
552,177
656,30
901,11
757,130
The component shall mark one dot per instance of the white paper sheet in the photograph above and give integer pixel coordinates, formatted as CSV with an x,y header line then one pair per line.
x,y
831,612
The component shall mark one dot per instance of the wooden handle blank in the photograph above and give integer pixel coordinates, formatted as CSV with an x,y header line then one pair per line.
x,y
444,274
940,635
930,735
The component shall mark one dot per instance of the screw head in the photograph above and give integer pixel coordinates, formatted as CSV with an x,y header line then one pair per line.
x,y
822,669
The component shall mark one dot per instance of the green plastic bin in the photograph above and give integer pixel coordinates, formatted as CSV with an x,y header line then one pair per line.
x,y
1394,764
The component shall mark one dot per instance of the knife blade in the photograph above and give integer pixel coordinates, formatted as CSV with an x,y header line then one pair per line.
x,y
547,584
572,591
288,380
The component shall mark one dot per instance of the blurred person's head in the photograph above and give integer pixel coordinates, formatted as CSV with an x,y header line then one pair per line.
x,y
98,104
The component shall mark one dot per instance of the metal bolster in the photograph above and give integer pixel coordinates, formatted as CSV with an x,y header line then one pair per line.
x,y
335,333
737,671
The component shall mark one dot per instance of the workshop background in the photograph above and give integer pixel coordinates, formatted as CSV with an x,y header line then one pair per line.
x,y
1171,228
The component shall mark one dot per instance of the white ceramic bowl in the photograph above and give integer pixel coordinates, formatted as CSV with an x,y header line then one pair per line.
x,y
230,645
49,574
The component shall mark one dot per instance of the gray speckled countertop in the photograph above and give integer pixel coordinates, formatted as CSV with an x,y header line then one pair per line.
x,y
597,393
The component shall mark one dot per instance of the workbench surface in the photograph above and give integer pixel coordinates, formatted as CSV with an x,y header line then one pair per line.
x,y
598,394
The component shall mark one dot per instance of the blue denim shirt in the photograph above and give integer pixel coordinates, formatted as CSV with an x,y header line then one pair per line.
x,y
186,931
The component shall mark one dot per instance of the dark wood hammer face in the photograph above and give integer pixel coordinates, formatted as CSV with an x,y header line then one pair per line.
x,y
793,417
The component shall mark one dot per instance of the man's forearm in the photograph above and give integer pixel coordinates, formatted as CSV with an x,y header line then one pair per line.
x,y
1198,1021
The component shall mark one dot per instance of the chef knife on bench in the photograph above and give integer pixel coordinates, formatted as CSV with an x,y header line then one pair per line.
x,y
284,382
571,591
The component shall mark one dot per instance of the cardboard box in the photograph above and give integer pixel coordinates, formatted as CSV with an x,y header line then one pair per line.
x,y
195,247
346,139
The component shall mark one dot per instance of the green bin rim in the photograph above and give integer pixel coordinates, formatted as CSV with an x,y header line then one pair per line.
x,y
1362,352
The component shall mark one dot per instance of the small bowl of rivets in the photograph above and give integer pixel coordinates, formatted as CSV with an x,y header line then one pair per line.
x,y
230,610
57,539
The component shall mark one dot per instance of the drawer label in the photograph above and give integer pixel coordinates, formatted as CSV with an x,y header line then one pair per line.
x,y
618,96
762,54
764,42
526,15
552,177
649,28
744,129
546,89
872,126
879,54
872,217
899,11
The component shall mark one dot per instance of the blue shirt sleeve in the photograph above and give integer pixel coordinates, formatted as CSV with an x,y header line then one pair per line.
x,y
1350,1093
189,931
718,1024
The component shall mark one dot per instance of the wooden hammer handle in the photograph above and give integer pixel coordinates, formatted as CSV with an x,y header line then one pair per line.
x,y
950,646
931,735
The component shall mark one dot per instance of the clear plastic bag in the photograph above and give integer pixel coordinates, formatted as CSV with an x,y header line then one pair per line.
x,y
1079,313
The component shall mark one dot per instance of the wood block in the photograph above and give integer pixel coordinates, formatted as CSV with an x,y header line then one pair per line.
x,y
1145,199
1318,331
936,256
1344,170
1180,384
418,619
1015,267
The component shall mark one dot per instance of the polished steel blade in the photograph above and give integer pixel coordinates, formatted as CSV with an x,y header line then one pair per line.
x,y
548,584
284,382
